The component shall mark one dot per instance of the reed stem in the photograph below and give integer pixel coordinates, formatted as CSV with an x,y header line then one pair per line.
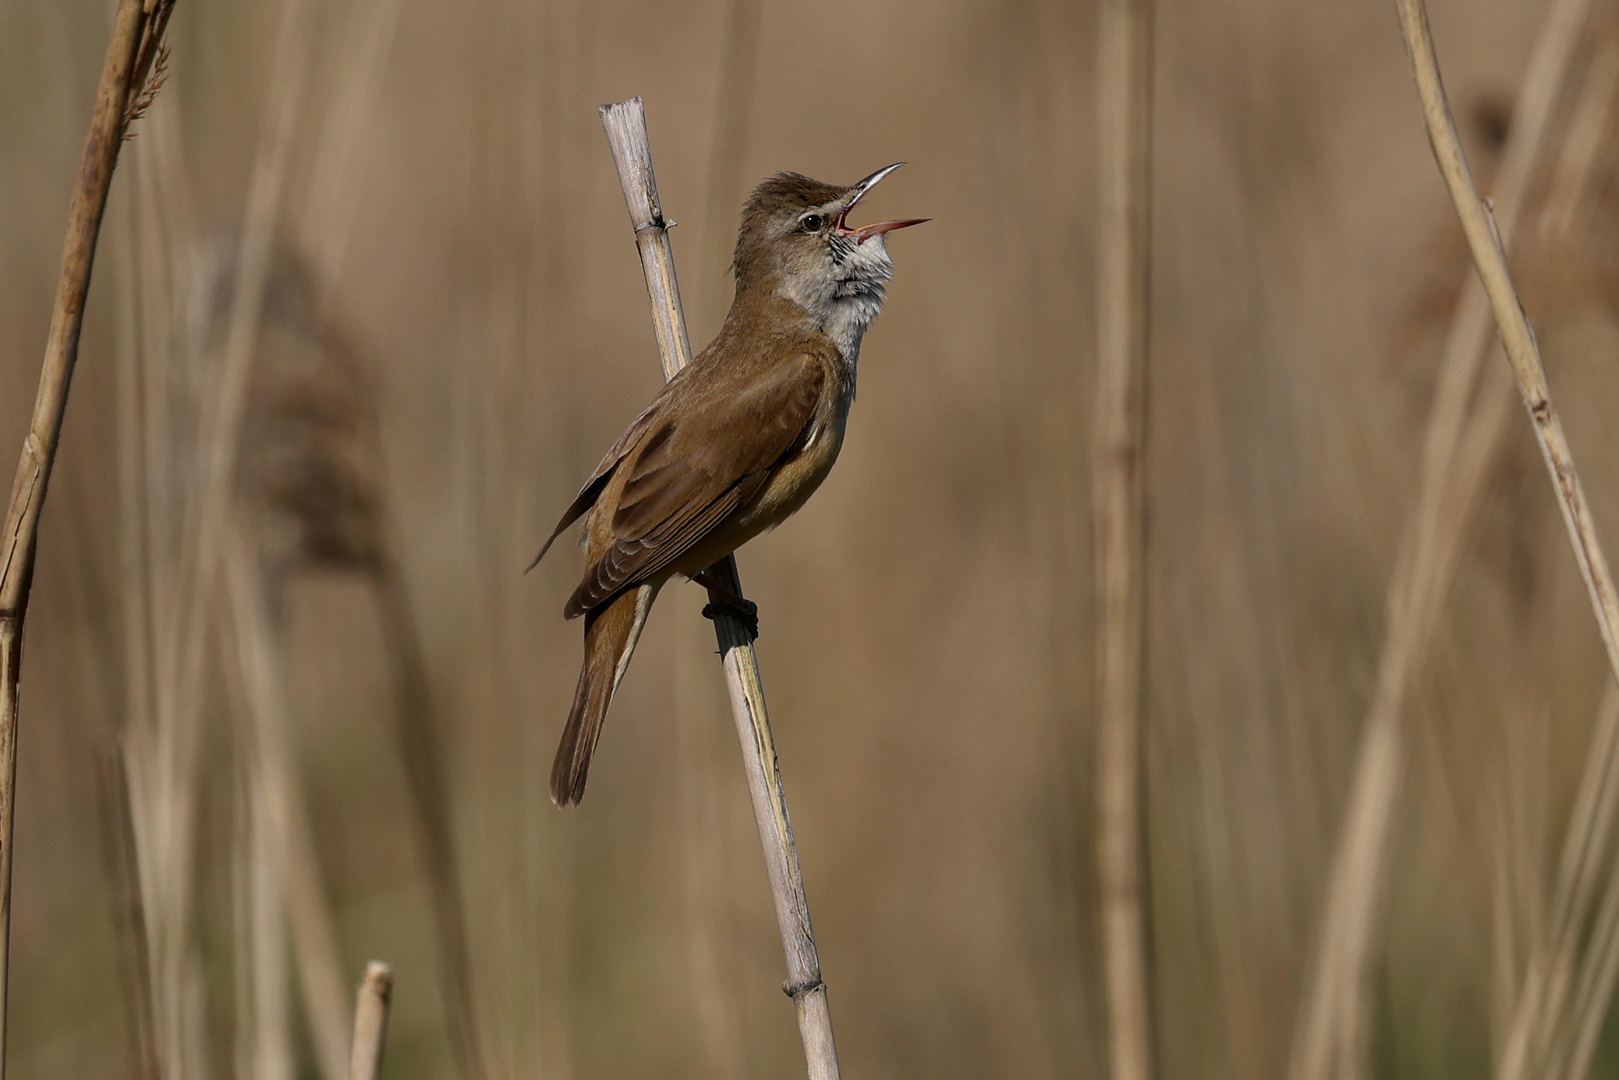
x,y
1517,337
371,1021
625,124
1124,92
20,535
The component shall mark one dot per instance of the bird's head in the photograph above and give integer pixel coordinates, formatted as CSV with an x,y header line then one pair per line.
x,y
796,235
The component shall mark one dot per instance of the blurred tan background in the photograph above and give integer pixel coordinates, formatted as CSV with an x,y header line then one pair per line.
x,y
456,236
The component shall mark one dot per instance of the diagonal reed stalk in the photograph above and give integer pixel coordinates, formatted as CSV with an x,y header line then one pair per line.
x,y
625,124
131,52
371,1021
1458,446
1540,1007
1522,350
1124,93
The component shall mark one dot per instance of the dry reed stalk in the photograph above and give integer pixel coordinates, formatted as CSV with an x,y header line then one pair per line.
x,y
625,125
1557,966
130,41
1539,1004
371,1021
123,875
1516,335
1458,446
279,812
162,739
1587,130
344,138
1124,94
424,773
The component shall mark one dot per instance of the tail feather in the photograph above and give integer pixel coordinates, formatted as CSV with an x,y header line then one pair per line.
x,y
611,632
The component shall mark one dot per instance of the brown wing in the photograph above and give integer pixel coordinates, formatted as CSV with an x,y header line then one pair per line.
x,y
690,471
598,480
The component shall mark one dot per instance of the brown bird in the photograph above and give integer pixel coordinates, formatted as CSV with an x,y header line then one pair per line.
x,y
736,442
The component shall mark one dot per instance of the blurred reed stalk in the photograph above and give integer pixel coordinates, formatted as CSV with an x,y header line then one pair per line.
x,y
1459,445
1124,238
281,837
1522,352
162,724
371,1021
135,52
1545,1030
128,914
625,125
424,758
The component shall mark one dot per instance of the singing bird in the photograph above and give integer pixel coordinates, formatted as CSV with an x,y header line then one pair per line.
x,y
736,442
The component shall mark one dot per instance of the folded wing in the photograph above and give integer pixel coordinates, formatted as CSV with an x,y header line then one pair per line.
x,y
692,468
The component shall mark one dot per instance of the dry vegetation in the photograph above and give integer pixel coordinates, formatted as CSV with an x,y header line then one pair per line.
x,y
452,326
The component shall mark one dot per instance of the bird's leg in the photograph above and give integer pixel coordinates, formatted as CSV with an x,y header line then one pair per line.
x,y
722,601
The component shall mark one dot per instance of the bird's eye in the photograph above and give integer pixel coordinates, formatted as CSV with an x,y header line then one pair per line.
x,y
811,223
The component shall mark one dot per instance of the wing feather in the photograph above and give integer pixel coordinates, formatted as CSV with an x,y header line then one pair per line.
x,y
684,482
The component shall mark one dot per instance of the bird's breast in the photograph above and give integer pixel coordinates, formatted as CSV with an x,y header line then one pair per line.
x,y
797,478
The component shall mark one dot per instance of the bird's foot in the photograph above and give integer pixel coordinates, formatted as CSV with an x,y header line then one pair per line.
x,y
722,601
746,612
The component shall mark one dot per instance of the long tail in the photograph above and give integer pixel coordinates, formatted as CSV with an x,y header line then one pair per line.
x,y
611,632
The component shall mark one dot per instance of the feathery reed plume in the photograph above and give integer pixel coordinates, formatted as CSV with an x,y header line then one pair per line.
x,y
310,482
132,28
1522,352
1458,446
1124,234
625,125
124,896
371,1021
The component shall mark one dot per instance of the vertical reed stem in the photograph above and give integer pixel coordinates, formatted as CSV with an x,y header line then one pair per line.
x,y
1124,92
625,124
21,532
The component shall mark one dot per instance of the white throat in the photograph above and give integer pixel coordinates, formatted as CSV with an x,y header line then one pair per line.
x,y
845,293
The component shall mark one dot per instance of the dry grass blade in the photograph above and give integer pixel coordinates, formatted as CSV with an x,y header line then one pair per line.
x,y
371,1021
1124,90
21,530
1458,447
625,124
1516,335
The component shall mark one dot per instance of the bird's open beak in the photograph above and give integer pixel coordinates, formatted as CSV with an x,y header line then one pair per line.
x,y
866,232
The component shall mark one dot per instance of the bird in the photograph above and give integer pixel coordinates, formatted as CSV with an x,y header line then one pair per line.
x,y
735,443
